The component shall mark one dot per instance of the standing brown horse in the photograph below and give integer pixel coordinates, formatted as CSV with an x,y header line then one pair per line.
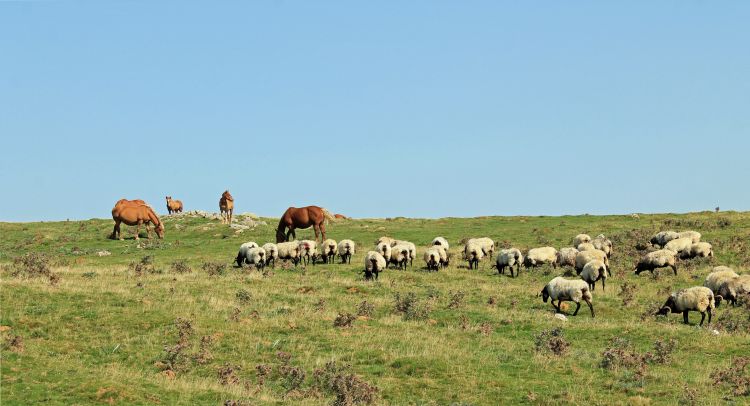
x,y
174,206
302,217
226,206
135,213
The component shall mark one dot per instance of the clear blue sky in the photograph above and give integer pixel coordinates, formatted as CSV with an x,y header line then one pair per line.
x,y
417,108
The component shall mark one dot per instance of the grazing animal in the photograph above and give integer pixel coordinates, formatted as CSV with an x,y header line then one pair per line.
x,y
410,246
384,248
272,253
374,264
657,259
593,271
540,256
584,257
135,213
580,239
338,216
308,251
442,242
567,256
506,258
346,250
290,251
302,217
254,256
328,251
174,206
242,253
697,298
562,289
226,206
732,289
661,238
435,257
400,255
473,253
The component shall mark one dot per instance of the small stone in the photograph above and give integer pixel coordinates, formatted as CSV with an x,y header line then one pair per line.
x,y
104,253
715,332
561,316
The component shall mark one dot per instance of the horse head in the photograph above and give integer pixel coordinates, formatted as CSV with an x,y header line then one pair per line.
x,y
280,236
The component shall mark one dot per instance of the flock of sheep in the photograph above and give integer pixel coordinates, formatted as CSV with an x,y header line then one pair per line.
x,y
588,256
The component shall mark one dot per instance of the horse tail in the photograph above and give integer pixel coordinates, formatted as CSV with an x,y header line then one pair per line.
x,y
327,214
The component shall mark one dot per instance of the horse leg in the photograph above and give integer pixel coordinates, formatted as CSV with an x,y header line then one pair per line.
x,y
322,227
316,228
137,230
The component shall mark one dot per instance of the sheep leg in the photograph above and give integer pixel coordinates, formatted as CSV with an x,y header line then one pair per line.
x,y
674,268
591,306
578,306
710,313
703,317
685,317
603,284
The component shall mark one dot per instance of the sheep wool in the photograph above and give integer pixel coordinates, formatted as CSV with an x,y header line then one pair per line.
x,y
508,258
657,259
663,237
473,253
432,258
272,253
567,256
584,257
585,246
680,246
289,250
580,239
593,271
256,256
733,288
540,256
698,298
410,247
308,251
562,289
701,249
693,235
487,245
716,278
328,249
242,254
384,248
374,264
400,255
345,250
441,241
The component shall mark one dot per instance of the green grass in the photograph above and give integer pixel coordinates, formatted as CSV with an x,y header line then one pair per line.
x,y
100,333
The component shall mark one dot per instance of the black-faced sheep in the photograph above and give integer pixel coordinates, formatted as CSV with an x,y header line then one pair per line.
x,y
540,256
593,271
567,257
507,258
473,253
346,249
657,259
374,264
562,289
698,298
328,251
272,253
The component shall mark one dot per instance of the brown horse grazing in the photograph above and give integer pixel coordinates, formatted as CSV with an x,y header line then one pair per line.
x,y
302,217
226,206
341,217
174,206
135,213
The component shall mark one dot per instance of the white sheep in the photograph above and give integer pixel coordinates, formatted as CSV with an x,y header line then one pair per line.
x,y
697,298
693,235
411,248
432,258
701,249
346,250
374,264
384,248
733,288
593,271
562,289
488,246
540,256
442,242
681,246
473,253
242,254
507,258
328,250
289,251
603,243
586,246
585,257
567,256
256,256
657,259
387,240
718,277
308,251
580,239
272,253
400,255
663,237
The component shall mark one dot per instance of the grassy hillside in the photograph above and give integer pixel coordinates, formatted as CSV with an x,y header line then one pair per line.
x,y
104,329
